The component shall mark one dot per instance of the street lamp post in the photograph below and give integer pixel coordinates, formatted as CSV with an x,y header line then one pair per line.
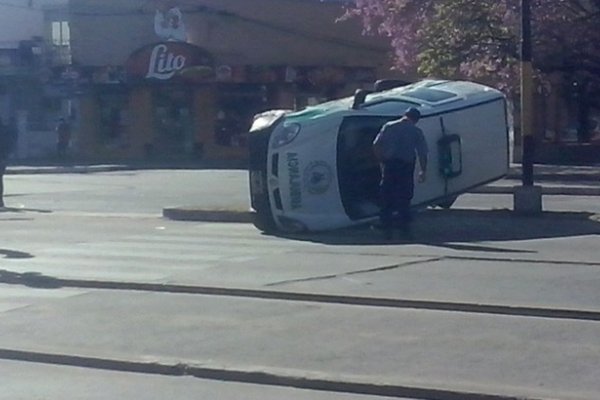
x,y
527,198
526,95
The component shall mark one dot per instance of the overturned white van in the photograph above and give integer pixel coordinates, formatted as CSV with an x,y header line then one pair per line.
x,y
314,169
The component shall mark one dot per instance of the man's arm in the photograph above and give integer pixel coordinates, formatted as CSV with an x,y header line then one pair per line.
x,y
422,153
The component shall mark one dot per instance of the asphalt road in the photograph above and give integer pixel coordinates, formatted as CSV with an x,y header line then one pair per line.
x,y
101,297
128,191
150,191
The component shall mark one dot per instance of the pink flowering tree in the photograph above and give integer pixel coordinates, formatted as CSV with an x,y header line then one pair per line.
x,y
479,40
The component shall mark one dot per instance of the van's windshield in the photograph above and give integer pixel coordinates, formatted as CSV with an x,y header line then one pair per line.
x,y
358,170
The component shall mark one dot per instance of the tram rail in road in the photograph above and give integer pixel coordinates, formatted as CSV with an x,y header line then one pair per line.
x,y
41,281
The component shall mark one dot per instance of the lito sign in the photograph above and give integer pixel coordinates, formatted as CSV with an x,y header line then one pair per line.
x,y
170,60
163,64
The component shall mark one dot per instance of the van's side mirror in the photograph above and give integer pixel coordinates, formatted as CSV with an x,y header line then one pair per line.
x,y
450,156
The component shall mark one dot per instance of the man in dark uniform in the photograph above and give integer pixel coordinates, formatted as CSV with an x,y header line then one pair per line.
x,y
63,133
396,147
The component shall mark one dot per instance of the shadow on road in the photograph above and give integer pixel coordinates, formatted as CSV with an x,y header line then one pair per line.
x,y
29,279
6,253
452,228
22,210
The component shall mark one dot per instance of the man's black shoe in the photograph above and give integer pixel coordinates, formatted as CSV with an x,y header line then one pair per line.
x,y
388,234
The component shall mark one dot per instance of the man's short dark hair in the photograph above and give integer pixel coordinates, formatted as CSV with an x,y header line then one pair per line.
x,y
413,114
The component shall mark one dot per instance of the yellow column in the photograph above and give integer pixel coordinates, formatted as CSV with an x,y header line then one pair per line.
x,y
141,122
87,137
204,113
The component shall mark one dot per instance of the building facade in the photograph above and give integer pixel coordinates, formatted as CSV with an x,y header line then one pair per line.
x,y
567,120
31,47
182,79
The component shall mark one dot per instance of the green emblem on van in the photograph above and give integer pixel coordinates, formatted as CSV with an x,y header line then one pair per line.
x,y
295,180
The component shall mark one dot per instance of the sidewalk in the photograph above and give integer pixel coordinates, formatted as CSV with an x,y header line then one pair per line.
x,y
553,179
558,173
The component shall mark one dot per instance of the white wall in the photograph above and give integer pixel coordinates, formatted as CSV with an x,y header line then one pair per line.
x,y
18,22
245,32
22,19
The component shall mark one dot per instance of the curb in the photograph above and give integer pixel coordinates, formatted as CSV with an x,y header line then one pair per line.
x,y
548,190
197,214
75,169
53,168
573,176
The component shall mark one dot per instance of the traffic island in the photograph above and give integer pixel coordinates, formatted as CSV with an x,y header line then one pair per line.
x,y
527,200
207,215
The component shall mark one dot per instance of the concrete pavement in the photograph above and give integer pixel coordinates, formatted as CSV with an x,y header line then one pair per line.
x,y
499,313
487,306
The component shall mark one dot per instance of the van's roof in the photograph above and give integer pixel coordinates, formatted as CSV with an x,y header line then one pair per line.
x,y
432,92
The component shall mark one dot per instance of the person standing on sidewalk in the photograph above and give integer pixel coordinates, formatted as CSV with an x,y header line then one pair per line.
x,y
63,137
7,145
396,147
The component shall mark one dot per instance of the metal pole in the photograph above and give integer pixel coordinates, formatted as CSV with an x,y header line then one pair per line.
x,y
526,95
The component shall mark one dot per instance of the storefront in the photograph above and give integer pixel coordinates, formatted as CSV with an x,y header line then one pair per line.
x,y
170,102
174,80
147,108
567,121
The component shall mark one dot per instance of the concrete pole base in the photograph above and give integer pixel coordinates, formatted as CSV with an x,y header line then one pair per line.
x,y
527,199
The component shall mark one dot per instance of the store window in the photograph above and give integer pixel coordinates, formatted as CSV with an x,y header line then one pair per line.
x,y
61,42
61,34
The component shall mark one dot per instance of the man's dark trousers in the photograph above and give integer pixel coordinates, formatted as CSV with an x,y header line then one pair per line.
x,y
397,188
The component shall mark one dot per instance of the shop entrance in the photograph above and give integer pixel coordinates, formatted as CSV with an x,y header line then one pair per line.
x,y
113,106
173,123
236,108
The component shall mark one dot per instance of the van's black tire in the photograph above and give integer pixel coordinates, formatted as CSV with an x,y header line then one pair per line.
x,y
262,223
447,202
